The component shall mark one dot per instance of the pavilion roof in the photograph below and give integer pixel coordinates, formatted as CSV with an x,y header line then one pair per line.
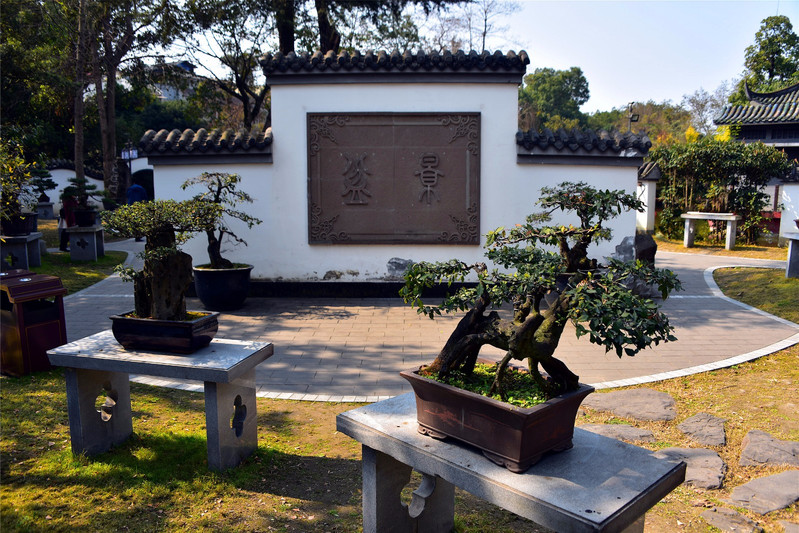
x,y
777,107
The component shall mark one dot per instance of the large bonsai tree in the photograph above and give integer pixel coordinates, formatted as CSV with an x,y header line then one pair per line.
x,y
221,189
159,289
546,290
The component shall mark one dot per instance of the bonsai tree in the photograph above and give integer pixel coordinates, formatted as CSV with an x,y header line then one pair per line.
x,y
159,289
546,290
221,190
41,182
15,182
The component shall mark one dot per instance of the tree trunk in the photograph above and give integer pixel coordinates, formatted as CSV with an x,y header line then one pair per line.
x,y
285,12
165,280
80,85
215,252
329,37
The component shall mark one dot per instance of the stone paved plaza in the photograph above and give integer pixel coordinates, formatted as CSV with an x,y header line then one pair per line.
x,y
334,349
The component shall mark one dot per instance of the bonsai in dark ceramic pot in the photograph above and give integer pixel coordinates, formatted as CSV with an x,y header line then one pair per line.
x,y
221,284
160,320
542,291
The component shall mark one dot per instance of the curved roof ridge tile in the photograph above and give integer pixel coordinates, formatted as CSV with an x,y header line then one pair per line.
x,y
583,140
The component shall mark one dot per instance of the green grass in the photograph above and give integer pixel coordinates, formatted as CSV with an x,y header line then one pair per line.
x,y
77,275
766,289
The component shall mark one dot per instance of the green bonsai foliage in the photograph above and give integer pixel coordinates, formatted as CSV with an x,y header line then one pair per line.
x,y
160,287
546,290
15,178
221,190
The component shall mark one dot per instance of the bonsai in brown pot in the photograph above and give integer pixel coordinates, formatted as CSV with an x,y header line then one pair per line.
x,y
541,290
160,320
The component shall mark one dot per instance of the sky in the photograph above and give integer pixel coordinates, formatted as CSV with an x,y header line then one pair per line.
x,y
636,51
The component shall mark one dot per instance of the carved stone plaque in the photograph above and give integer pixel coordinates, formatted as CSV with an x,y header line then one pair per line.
x,y
394,178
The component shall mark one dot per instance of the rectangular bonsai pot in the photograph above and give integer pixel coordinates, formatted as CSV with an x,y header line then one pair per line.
x,y
513,437
174,336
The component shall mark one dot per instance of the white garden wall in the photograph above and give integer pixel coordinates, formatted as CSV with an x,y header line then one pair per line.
x,y
279,247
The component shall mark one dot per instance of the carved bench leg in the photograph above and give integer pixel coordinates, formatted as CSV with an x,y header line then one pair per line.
x,y
432,507
732,230
231,421
690,233
94,427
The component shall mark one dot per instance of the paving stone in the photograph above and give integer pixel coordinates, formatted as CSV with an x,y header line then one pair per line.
x,y
760,448
621,432
641,404
706,429
705,470
729,520
767,494
789,527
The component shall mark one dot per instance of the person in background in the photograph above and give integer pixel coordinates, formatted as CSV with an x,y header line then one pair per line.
x,y
66,217
136,193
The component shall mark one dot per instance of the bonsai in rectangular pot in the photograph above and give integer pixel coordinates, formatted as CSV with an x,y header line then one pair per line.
x,y
160,320
221,284
542,290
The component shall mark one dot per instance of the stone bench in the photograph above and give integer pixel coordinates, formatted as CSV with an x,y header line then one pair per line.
x,y
690,230
20,252
86,243
601,484
99,366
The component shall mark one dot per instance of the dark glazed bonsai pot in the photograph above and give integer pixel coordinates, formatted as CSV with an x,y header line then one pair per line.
x,y
513,437
222,289
175,336
85,218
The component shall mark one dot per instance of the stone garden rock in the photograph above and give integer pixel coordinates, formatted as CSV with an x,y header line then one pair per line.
x,y
621,432
767,494
789,527
706,429
641,404
705,468
760,448
729,520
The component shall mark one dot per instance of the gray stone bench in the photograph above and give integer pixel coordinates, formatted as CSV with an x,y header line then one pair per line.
x,y
20,252
601,484
98,366
690,226
86,243
792,269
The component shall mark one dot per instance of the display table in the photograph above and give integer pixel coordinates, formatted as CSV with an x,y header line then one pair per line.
x,y
86,243
98,363
690,231
792,269
601,484
20,251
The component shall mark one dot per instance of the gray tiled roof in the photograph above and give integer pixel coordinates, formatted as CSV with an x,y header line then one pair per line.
x,y
204,142
68,164
509,67
588,142
778,107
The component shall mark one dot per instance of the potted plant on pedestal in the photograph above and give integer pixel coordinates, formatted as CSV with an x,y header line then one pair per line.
x,y
542,290
221,284
160,320
16,192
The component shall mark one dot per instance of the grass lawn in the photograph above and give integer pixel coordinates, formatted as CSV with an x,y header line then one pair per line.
x,y
305,476
78,275
753,251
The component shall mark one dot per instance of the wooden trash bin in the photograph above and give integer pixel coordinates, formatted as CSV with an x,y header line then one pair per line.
x,y
32,317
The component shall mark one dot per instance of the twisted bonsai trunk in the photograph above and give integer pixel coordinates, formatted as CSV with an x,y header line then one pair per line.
x,y
160,289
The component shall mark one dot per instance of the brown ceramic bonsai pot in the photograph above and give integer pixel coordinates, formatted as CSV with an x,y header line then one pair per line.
x,y
175,336
513,437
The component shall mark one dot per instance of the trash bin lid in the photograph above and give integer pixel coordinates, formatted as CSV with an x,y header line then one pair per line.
x,y
32,287
14,273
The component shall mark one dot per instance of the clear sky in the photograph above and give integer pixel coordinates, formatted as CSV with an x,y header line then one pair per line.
x,y
635,51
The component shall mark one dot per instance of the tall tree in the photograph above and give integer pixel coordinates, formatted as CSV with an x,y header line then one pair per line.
x,y
230,35
329,13
772,61
552,98
704,105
